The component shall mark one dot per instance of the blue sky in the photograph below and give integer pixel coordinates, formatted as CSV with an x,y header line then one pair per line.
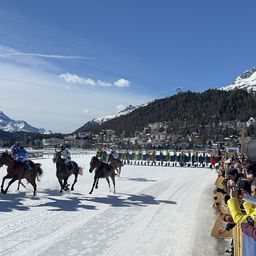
x,y
65,62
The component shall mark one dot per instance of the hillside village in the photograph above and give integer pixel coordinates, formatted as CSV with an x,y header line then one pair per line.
x,y
155,135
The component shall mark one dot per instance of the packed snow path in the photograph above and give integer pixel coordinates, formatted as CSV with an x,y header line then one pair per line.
x,y
156,211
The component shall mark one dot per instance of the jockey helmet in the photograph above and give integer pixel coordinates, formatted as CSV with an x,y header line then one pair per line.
x,y
62,146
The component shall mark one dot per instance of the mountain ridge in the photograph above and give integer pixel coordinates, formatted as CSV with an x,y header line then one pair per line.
x,y
10,125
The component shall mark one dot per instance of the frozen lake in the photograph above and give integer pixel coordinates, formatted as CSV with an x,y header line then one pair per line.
x,y
156,211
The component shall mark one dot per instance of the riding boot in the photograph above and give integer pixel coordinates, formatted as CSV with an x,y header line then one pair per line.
x,y
26,166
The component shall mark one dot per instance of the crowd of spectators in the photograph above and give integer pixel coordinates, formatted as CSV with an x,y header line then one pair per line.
x,y
238,183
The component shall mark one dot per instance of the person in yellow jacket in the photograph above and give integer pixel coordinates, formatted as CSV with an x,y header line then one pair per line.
x,y
152,154
235,210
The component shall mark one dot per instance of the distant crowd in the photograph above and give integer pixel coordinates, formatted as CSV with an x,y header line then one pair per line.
x,y
188,158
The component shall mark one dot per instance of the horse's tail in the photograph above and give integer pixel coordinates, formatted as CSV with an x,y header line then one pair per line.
x,y
39,171
80,170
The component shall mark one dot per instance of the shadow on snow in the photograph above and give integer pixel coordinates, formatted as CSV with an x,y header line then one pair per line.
x,y
131,200
65,201
12,202
74,201
141,179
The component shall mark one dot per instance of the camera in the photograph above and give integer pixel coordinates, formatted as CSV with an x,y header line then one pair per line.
x,y
250,220
239,192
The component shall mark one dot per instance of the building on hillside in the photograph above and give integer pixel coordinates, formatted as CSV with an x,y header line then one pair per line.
x,y
52,142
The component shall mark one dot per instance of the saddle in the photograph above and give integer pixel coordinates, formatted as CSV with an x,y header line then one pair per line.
x,y
71,165
25,165
107,166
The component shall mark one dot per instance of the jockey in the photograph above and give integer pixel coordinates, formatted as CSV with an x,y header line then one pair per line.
x,y
99,153
65,154
14,149
22,156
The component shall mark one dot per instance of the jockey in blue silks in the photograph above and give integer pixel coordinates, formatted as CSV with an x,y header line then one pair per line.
x,y
14,149
22,156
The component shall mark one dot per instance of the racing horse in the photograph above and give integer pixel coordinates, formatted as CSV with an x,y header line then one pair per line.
x,y
102,170
15,171
63,172
116,163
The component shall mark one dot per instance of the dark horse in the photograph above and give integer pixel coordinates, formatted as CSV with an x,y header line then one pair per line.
x,y
63,172
15,171
116,163
102,170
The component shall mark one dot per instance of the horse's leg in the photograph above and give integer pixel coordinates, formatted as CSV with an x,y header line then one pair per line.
x,y
108,184
75,180
95,180
7,176
65,185
97,183
119,172
32,181
10,183
19,183
113,180
22,184
61,186
20,178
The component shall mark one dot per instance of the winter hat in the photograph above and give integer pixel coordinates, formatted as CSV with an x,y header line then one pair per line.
x,y
232,171
245,185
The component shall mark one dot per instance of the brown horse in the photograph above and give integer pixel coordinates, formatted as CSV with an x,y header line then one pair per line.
x,y
15,171
63,172
102,170
116,163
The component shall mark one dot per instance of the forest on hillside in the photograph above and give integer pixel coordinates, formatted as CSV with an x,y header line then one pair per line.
x,y
190,107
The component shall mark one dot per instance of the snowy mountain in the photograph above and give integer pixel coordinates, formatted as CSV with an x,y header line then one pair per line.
x,y
95,123
126,111
9,125
246,81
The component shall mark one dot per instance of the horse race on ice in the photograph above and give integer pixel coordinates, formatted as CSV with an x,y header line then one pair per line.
x,y
146,215
15,171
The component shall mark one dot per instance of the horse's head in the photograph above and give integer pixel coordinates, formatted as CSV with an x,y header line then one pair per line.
x,y
1,160
94,163
4,158
56,156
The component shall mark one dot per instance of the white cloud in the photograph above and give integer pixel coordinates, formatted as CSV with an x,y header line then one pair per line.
x,y
8,52
120,107
102,83
75,79
72,78
41,99
122,83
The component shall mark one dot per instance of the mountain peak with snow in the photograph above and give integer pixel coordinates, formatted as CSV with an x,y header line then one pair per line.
x,y
9,125
125,111
245,81
96,122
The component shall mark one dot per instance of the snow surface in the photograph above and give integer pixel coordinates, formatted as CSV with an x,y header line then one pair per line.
x,y
156,211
